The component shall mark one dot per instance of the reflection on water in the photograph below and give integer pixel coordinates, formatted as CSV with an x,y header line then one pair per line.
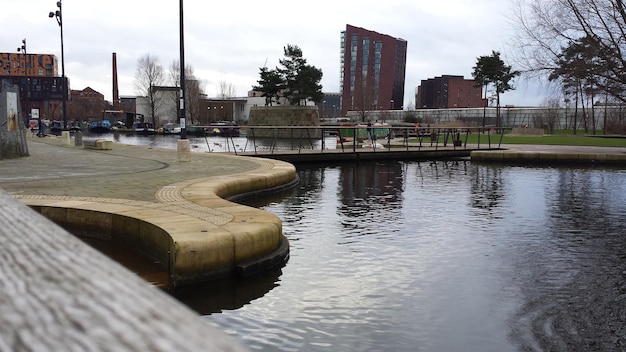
x,y
140,263
227,293
441,256
216,143
208,298
575,291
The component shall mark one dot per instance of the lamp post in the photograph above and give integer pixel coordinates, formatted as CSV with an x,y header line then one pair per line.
x,y
26,86
183,129
58,14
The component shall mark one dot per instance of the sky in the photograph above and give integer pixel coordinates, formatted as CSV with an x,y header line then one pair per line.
x,y
229,41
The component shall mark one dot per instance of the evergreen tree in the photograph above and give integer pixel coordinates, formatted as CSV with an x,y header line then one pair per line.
x,y
270,84
308,85
492,70
294,79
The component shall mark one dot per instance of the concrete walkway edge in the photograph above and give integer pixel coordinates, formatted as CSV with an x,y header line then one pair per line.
x,y
546,154
191,228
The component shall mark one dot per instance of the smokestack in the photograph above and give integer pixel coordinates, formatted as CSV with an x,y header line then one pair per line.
x,y
116,93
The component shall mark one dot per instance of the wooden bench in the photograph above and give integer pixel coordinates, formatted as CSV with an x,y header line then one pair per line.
x,y
99,144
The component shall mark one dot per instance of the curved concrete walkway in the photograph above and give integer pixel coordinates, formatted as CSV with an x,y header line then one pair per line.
x,y
143,196
552,154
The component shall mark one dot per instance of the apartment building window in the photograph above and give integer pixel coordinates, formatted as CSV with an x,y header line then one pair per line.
x,y
366,55
354,42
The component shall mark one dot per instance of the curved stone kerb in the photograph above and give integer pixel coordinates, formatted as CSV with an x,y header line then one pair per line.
x,y
199,234
230,185
255,232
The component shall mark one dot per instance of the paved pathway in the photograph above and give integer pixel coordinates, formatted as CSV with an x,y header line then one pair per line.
x,y
554,154
127,172
140,173
151,189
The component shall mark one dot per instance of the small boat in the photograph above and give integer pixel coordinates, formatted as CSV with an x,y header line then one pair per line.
x,y
74,126
224,129
195,130
103,126
143,128
56,127
171,128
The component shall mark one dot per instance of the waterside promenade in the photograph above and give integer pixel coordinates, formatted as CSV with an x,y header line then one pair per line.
x,y
179,212
505,153
175,211
59,294
552,155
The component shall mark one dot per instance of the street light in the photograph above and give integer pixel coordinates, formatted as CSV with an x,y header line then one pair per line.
x,y
59,17
26,86
182,118
22,49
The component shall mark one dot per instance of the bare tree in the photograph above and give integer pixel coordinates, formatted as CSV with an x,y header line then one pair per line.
x,y
192,96
194,93
174,81
365,99
149,75
551,115
226,90
546,28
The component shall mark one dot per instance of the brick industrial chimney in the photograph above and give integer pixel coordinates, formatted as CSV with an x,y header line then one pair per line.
x,y
116,93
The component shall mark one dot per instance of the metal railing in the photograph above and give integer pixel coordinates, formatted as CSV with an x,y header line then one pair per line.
x,y
361,138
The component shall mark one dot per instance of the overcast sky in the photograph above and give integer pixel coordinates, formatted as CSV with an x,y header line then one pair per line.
x,y
229,41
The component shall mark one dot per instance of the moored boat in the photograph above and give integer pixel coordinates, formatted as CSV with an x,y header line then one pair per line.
x,y
171,128
56,127
224,129
143,128
102,126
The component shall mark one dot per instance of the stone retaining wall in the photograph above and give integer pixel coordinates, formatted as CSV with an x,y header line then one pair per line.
x,y
285,116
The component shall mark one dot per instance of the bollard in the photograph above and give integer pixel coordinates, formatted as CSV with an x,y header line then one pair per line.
x,y
65,136
184,152
78,138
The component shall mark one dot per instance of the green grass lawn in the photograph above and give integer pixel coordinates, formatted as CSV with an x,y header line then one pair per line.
x,y
553,140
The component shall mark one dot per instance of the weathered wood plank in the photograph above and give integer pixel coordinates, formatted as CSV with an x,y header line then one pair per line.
x,y
58,294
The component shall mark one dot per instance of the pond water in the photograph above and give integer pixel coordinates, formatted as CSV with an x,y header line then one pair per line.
x,y
438,256
216,143
432,256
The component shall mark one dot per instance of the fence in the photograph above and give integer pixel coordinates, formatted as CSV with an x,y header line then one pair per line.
x,y
361,138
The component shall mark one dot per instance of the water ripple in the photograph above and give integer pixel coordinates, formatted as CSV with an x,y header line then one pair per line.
x,y
449,256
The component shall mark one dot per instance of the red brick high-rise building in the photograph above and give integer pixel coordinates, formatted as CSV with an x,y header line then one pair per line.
x,y
373,68
449,92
